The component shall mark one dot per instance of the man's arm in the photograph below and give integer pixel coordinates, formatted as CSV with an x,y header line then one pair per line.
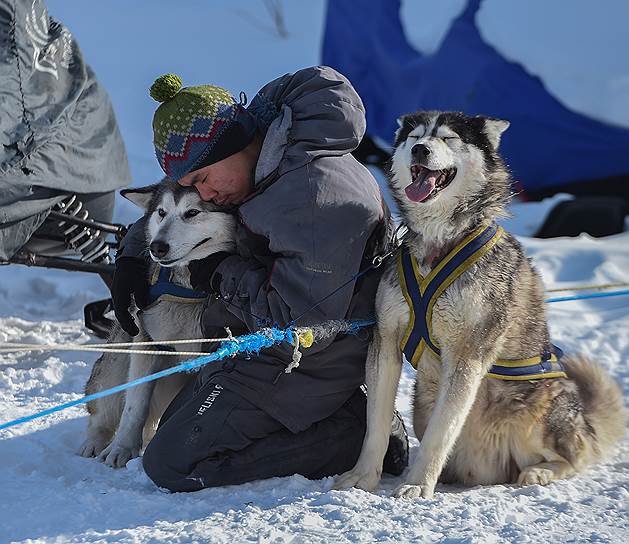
x,y
317,250
317,215
134,242
130,276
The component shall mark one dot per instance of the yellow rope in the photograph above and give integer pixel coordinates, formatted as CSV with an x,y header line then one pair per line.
x,y
306,337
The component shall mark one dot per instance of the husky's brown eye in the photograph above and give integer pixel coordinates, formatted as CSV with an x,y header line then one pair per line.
x,y
191,213
161,212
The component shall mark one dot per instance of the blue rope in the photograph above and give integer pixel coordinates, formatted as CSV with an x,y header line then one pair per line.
x,y
592,295
248,343
354,326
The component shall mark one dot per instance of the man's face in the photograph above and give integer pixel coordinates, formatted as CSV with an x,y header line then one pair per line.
x,y
225,183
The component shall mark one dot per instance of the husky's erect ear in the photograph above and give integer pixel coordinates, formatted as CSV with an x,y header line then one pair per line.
x,y
141,196
494,129
400,124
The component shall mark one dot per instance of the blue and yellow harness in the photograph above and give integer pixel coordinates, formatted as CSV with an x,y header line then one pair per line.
x,y
421,294
162,288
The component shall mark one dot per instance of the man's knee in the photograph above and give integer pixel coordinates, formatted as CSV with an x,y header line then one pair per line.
x,y
206,473
153,463
157,467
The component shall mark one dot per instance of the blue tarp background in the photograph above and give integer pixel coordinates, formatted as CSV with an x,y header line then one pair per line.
x,y
546,146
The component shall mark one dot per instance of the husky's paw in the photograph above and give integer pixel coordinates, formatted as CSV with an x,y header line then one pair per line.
x,y
536,476
117,455
410,491
357,477
91,447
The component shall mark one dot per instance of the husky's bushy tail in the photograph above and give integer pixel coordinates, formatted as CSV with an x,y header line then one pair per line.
x,y
603,409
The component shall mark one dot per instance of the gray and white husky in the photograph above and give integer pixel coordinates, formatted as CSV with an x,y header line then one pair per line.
x,y
180,228
476,426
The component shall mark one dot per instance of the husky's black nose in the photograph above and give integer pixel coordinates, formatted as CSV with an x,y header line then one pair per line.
x,y
419,152
159,248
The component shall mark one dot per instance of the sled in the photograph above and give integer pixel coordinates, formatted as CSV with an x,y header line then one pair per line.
x,y
69,239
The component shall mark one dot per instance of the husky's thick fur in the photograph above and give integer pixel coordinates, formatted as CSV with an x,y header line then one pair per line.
x,y
180,228
449,180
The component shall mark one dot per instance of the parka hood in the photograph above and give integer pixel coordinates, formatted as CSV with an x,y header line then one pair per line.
x,y
313,113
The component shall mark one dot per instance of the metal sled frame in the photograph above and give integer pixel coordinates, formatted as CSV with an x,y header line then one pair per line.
x,y
94,312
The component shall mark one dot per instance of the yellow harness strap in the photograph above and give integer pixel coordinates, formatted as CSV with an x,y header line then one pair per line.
x,y
421,294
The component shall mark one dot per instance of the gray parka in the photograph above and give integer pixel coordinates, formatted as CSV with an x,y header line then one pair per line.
x,y
58,132
316,218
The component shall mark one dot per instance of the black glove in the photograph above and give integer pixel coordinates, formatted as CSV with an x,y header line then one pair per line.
x,y
130,278
201,272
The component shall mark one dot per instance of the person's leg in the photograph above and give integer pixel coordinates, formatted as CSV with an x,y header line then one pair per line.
x,y
326,448
213,438
218,438
202,423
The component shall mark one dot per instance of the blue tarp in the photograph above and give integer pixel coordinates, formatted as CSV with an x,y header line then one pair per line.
x,y
546,146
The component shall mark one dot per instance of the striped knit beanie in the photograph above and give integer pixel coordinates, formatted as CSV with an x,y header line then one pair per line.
x,y
194,127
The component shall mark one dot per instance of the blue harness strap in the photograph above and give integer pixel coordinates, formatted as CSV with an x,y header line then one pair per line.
x,y
421,294
162,288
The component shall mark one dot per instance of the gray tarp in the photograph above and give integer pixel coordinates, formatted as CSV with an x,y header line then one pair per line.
x,y
58,133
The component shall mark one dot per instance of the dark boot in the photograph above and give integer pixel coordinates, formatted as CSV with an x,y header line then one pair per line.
x,y
396,458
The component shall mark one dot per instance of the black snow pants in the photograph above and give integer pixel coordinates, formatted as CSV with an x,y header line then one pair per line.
x,y
210,436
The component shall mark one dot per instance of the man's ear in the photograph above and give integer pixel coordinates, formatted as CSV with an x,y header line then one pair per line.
x,y
494,129
141,196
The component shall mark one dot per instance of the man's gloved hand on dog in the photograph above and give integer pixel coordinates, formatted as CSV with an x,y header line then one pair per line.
x,y
202,276
130,278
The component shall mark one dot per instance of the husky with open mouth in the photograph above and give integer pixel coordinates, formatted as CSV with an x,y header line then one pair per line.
x,y
180,227
495,400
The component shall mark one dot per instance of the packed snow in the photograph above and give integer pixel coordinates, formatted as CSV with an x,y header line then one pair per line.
x,y
50,494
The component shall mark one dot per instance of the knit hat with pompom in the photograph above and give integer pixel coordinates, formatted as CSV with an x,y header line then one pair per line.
x,y
194,127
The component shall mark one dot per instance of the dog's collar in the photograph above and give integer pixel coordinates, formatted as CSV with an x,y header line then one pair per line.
x,y
421,294
162,288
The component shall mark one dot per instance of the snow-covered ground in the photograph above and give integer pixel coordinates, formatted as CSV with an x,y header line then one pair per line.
x,y
47,493
51,494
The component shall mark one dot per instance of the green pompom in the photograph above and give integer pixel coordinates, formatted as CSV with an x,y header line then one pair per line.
x,y
165,87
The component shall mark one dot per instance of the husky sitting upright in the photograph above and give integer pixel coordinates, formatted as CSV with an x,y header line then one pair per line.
x,y
494,400
180,228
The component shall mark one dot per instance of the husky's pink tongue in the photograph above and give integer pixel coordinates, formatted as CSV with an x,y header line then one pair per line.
x,y
420,190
